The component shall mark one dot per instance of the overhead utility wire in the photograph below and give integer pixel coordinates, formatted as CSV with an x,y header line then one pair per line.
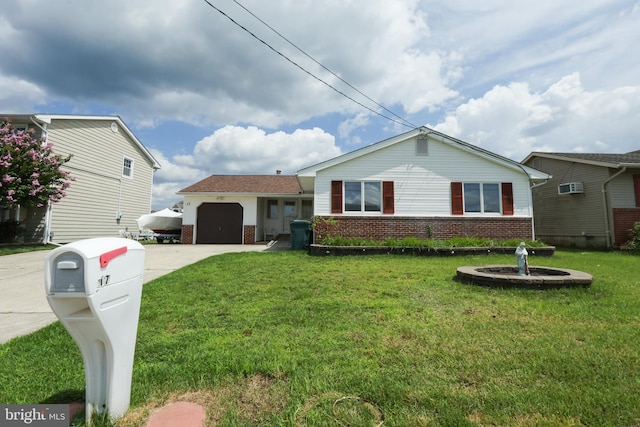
x,y
321,65
306,71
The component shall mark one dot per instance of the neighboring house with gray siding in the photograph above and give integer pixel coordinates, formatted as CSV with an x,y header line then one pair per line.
x,y
592,200
113,174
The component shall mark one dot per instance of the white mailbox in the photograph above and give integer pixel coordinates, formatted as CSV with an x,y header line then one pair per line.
x,y
94,286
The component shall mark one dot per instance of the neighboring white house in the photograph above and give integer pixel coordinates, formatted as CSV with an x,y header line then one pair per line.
x,y
425,184
421,183
113,174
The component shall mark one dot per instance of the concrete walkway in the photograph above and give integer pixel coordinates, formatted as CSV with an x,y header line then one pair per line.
x,y
23,303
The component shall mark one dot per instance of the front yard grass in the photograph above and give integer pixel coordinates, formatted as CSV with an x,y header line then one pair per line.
x,y
18,249
283,338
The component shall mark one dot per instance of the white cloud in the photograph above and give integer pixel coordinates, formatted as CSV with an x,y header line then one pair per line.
x,y
164,195
348,126
514,120
180,169
235,150
160,60
173,176
18,95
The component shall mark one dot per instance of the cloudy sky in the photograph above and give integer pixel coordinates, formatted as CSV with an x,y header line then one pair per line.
x,y
252,86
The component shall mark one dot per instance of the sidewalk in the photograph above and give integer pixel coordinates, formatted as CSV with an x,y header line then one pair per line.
x,y
23,303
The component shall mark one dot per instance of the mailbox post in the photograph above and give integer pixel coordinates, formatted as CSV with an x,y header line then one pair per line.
x,y
94,286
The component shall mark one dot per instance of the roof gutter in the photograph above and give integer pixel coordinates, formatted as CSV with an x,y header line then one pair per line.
x,y
606,207
46,232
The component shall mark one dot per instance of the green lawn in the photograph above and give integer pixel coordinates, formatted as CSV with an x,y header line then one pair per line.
x,y
282,338
17,249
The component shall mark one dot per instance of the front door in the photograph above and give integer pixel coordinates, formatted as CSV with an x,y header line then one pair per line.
x,y
290,213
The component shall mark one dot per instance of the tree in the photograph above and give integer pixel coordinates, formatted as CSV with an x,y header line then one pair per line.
x,y
30,174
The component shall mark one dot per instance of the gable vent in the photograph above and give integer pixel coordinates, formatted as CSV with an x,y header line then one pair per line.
x,y
571,188
422,147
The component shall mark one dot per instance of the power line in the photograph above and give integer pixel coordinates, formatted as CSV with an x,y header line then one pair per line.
x,y
322,65
409,125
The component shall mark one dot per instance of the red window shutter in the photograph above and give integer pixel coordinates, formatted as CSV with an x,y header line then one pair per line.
x,y
636,188
336,196
387,197
456,198
507,198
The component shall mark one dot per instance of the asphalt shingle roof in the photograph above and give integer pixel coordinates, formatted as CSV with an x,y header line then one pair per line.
x,y
256,184
631,157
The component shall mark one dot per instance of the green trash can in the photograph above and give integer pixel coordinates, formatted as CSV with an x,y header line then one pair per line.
x,y
300,230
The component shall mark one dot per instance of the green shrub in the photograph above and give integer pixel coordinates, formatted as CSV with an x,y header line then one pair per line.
x,y
634,242
414,242
9,231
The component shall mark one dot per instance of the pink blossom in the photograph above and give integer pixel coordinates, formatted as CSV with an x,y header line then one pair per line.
x,y
22,155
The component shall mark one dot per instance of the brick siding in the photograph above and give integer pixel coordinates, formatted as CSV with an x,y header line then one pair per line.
x,y
186,238
623,220
380,228
249,234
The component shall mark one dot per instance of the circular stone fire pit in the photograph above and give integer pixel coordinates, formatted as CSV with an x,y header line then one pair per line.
x,y
506,276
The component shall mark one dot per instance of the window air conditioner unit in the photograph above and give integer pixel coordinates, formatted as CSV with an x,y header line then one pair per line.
x,y
571,188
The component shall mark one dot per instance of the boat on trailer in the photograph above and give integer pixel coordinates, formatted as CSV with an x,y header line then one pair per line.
x,y
165,224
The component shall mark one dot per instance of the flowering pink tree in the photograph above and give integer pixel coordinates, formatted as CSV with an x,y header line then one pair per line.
x,y
30,174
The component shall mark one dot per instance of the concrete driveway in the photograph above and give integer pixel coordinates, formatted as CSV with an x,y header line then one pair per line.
x,y
23,303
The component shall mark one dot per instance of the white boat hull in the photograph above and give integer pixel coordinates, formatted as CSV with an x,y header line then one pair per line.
x,y
164,221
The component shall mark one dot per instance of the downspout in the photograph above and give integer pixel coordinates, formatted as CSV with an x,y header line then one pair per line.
x,y
530,196
533,223
46,234
606,208
119,211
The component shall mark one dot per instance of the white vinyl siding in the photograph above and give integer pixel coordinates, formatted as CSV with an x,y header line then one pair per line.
x,y
422,184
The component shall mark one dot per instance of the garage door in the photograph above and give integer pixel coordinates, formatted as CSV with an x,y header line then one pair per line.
x,y
219,223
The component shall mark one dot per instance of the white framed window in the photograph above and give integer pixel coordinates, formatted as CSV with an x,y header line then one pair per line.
x,y
481,197
127,167
20,127
362,196
290,209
